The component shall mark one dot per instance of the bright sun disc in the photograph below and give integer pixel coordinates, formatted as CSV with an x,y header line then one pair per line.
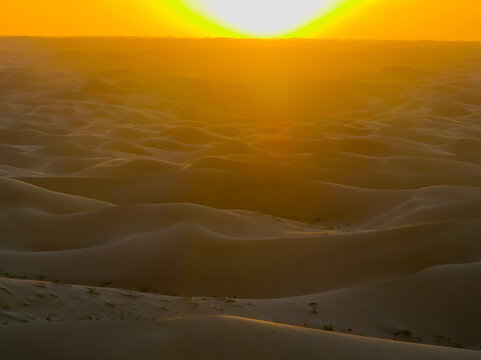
x,y
262,18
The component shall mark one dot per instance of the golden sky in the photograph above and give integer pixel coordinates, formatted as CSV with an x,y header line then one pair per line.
x,y
365,19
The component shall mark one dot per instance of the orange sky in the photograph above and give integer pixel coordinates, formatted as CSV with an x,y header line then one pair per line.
x,y
370,19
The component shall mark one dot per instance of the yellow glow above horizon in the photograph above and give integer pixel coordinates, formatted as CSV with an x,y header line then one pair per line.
x,y
351,19
262,18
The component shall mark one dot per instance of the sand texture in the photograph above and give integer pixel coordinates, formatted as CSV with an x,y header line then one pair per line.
x,y
239,199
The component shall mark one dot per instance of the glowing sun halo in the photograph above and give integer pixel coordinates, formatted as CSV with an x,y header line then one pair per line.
x,y
262,18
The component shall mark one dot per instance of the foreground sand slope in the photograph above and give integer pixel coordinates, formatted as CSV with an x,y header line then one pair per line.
x,y
205,338
425,308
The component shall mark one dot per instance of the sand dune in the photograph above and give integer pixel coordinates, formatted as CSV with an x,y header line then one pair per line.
x,y
244,208
187,338
419,308
180,248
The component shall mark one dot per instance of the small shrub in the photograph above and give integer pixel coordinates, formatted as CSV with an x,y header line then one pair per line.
x,y
93,291
328,327
403,333
4,304
439,338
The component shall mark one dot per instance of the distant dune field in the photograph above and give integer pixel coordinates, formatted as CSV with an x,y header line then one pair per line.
x,y
243,199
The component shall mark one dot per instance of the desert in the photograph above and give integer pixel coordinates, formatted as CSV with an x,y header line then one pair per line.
x,y
309,199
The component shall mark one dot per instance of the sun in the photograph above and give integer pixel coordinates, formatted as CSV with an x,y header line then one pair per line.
x,y
262,18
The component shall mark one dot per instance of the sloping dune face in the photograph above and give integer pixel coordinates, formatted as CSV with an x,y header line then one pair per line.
x,y
250,189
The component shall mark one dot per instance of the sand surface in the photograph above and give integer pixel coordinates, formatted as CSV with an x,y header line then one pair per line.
x,y
234,199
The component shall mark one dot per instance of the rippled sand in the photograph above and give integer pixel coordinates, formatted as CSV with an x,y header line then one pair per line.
x,y
214,199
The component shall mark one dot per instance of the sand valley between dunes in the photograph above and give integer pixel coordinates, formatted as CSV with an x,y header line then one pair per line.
x,y
308,199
